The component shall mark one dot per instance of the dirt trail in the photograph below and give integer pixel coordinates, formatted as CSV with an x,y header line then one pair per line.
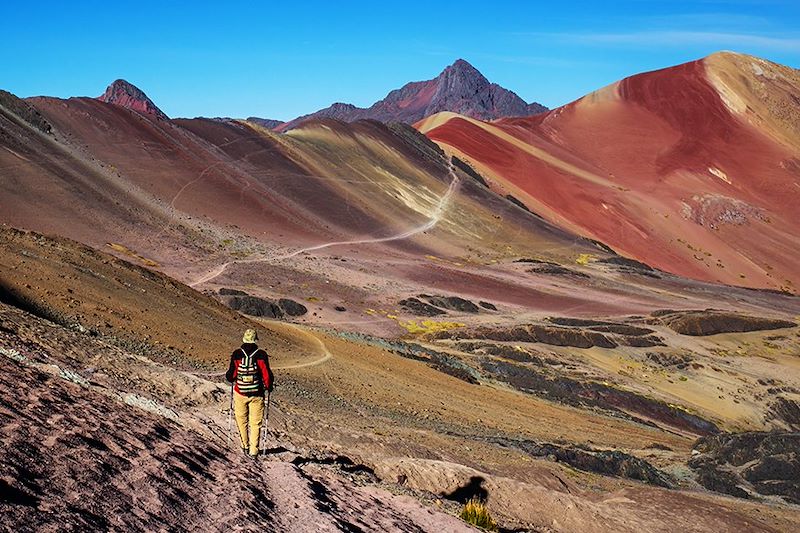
x,y
438,212
321,354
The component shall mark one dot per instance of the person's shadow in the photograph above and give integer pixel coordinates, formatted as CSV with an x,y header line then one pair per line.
x,y
274,450
473,489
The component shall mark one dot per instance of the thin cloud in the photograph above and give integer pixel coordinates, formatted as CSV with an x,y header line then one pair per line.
x,y
535,60
723,22
675,38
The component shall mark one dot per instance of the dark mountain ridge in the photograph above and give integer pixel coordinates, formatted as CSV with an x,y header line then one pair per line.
x,y
460,88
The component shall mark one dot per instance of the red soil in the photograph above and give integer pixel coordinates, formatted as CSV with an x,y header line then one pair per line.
x,y
658,138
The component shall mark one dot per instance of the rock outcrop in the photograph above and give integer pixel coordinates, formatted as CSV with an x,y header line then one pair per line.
x,y
712,322
125,94
750,465
554,335
255,306
427,305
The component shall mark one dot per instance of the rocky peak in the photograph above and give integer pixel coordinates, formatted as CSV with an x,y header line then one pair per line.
x,y
462,69
461,79
125,94
460,88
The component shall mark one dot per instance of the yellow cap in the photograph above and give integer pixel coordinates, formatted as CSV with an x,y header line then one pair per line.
x,y
250,336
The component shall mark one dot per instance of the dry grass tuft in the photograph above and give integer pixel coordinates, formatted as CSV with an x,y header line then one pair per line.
x,y
476,513
429,326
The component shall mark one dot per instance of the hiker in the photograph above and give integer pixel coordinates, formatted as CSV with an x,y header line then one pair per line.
x,y
251,377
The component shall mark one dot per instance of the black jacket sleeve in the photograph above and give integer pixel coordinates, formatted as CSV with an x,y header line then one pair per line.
x,y
271,375
267,375
229,375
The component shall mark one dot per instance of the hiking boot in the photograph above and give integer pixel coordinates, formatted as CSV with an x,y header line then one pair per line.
x,y
253,457
245,451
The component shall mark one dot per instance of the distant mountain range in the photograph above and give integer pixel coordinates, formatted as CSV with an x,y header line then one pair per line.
x,y
692,169
460,88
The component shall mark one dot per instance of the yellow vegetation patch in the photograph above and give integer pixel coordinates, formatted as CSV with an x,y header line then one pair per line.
x,y
584,259
130,253
429,326
476,513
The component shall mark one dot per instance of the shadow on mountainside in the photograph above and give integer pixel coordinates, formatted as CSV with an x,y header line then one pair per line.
x,y
473,489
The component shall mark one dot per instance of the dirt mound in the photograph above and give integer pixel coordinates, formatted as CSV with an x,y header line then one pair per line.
x,y
711,322
131,306
747,465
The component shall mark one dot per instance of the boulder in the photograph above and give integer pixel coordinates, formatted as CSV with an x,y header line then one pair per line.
x,y
292,308
453,303
231,292
420,308
254,306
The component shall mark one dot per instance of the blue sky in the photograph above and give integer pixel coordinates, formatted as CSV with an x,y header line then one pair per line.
x,y
283,59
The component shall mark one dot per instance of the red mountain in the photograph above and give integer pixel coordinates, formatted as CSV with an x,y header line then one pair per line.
x,y
694,169
128,95
460,88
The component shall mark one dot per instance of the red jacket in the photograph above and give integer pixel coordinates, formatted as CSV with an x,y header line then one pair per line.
x,y
262,361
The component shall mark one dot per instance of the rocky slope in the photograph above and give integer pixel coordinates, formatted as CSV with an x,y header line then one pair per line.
x,y
125,94
459,88
87,446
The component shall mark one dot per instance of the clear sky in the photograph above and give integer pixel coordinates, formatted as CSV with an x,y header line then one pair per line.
x,y
282,59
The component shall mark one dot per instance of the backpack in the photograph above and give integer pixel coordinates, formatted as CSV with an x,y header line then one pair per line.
x,y
248,375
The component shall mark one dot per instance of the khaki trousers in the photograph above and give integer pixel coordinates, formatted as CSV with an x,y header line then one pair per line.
x,y
249,410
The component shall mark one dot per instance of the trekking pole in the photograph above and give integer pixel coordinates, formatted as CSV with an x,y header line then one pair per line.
x,y
230,418
265,422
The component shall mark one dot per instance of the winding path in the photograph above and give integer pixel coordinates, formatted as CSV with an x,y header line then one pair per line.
x,y
441,207
323,350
